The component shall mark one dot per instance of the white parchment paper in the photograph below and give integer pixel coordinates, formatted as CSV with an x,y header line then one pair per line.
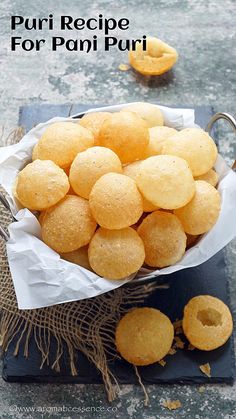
x,y
41,278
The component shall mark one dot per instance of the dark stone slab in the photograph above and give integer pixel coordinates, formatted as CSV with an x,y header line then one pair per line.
x,y
183,367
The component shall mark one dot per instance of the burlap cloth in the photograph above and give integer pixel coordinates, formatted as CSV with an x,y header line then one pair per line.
x,y
87,325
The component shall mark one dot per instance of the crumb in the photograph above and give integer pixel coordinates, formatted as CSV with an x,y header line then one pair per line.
x,y
178,342
178,331
124,67
171,404
191,347
206,369
162,362
177,324
201,389
172,351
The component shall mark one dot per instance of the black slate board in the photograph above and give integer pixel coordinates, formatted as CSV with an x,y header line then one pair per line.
x,y
183,367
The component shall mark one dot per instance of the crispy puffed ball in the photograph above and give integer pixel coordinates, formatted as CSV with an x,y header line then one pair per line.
x,y
150,113
144,336
68,225
35,152
14,194
164,239
78,256
158,135
62,141
41,217
41,184
89,166
195,146
115,201
158,58
126,134
211,177
93,121
207,322
116,254
166,181
132,171
202,212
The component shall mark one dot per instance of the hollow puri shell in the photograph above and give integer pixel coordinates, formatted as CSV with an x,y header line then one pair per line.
x,y
93,121
68,225
41,184
207,322
150,113
166,181
78,256
164,239
195,146
144,336
158,136
202,212
211,177
158,58
126,134
41,217
132,171
116,254
62,141
115,201
89,166
35,152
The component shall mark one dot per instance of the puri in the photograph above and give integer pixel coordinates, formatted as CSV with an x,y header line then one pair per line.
x,y
26,44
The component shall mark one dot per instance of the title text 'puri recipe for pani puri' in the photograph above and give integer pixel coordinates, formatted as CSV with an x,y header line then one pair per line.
x,y
68,23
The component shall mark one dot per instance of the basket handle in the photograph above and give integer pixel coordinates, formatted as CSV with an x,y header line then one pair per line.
x,y
3,233
227,117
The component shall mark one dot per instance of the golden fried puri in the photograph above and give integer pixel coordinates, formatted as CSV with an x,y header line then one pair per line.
x,y
62,141
150,113
166,181
68,225
211,177
115,201
126,134
41,184
164,239
158,136
41,217
144,336
195,146
89,166
202,212
132,171
35,152
93,122
78,256
158,58
116,254
207,322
